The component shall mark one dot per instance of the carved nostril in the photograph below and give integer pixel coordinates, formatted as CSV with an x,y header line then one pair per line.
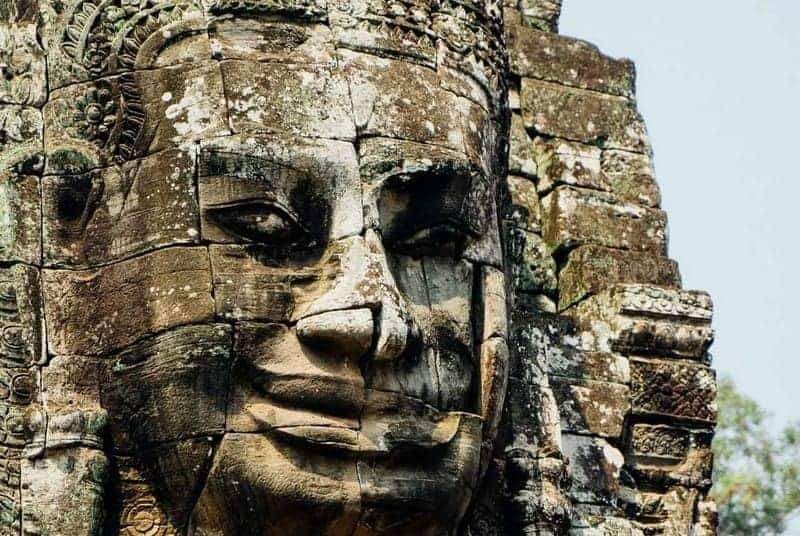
x,y
346,333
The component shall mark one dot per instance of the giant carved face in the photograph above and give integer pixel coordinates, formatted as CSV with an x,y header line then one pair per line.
x,y
275,236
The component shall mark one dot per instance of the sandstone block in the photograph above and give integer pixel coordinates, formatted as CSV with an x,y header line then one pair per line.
x,y
564,60
259,40
21,131
647,320
663,456
532,266
591,269
96,124
541,14
561,162
75,62
170,387
158,487
439,121
574,363
246,289
584,116
92,312
301,100
632,177
591,407
533,412
114,213
522,158
263,176
595,467
574,217
63,493
673,390
524,210
24,80
20,218
21,322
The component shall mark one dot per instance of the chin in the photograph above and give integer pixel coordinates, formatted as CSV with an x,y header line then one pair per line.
x,y
299,484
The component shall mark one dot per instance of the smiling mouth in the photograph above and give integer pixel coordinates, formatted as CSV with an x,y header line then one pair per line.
x,y
340,415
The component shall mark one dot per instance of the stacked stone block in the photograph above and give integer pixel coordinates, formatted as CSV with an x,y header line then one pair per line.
x,y
626,354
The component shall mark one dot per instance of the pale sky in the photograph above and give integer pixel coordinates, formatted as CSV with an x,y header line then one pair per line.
x,y
719,87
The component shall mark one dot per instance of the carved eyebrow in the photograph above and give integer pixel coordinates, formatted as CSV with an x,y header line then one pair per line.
x,y
217,162
400,167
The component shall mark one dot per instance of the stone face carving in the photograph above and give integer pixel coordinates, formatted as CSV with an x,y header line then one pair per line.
x,y
272,267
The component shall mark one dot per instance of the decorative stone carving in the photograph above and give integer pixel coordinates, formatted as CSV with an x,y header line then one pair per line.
x,y
343,268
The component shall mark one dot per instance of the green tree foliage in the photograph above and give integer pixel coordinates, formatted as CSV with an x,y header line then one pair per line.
x,y
756,470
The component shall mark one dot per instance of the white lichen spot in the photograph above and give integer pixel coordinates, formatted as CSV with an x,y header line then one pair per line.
x,y
192,114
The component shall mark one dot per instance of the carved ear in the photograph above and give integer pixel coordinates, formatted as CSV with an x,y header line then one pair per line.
x,y
494,354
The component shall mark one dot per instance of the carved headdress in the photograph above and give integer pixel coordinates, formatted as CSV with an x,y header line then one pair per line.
x,y
97,39
107,36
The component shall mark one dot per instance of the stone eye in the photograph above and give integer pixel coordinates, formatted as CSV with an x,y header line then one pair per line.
x,y
443,239
260,222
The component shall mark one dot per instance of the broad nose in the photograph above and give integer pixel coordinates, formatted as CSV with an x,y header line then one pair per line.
x,y
363,313
348,333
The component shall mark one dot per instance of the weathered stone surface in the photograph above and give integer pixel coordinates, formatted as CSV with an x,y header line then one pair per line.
x,y
21,130
275,97
561,162
592,269
522,158
686,391
591,407
542,14
310,492
133,505
280,41
21,322
22,59
82,48
574,217
114,213
648,320
707,518
570,362
564,60
63,493
426,114
256,176
524,211
266,241
533,267
659,442
158,487
20,218
93,312
595,467
632,177
584,116
246,289
170,387
664,456
670,513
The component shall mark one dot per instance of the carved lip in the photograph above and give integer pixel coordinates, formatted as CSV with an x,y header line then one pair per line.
x,y
356,420
379,436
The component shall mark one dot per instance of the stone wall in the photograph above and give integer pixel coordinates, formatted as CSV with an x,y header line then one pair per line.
x,y
611,399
